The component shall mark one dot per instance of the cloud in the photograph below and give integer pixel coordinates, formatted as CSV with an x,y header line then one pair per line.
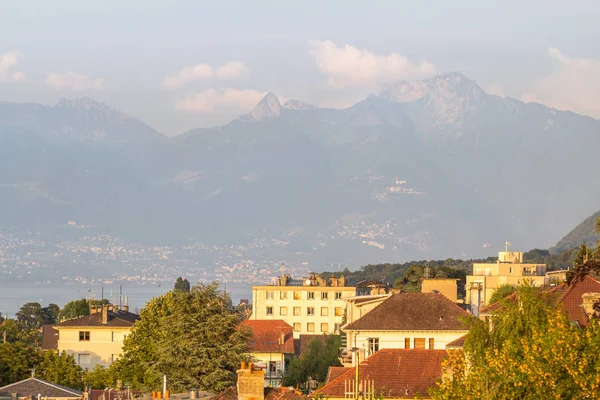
x,y
231,70
350,66
73,81
211,101
573,85
8,61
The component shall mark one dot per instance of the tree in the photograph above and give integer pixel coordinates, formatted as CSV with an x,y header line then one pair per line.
x,y
78,308
31,316
192,337
315,363
532,352
60,369
16,362
501,292
14,332
100,377
182,285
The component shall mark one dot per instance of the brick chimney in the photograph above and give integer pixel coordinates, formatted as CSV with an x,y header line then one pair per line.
x,y
251,382
105,314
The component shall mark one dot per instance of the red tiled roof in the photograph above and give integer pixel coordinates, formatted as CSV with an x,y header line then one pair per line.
x,y
457,343
572,298
49,338
266,336
397,373
335,372
412,312
115,318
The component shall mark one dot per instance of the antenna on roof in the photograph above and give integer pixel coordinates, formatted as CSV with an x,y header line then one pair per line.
x,y
507,246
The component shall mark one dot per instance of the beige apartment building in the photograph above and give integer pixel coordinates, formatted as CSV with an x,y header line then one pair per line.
x,y
310,305
95,339
509,269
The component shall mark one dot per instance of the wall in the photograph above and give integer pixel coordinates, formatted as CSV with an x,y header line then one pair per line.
x,y
103,344
446,287
260,302
395,340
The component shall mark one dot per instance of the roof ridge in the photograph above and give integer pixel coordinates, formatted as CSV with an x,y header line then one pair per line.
x,y
66,389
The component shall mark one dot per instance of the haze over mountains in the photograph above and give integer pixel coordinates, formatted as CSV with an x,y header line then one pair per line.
x,y
425,169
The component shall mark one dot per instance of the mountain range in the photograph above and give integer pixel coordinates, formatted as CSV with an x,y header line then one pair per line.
x,y
433,168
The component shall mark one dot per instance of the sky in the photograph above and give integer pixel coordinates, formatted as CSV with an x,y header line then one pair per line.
x,y
179,65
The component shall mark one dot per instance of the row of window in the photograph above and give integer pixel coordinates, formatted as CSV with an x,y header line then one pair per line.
x,y
310,327
418,343
86,358
310,311
84,336
270,295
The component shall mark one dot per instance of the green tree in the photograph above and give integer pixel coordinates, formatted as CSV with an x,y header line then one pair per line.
x,y
315,363
501,292
14,332
532,352
182,285
78,308
16,362
192,337
60,369
31,316
100,377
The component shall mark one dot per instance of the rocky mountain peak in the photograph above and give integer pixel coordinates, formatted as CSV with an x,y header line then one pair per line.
x,y
293,104
84,103
442,87
269,107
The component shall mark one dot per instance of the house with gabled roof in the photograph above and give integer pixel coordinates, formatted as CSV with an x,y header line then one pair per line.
x,y
31,388
96,339
271,347
406,321
391,373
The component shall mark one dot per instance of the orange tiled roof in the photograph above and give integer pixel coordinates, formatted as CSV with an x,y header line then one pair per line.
x,y
412,312
266,334
457,343
335,372
397,373
572,298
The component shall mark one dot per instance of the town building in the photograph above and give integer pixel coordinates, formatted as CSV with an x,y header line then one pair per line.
x,y
391,373
447,287
311,305
34,388
406,321
271,347
96,339
508,270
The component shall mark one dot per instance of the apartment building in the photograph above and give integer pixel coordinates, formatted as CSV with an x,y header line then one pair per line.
x,y
96,339
310,305
508,270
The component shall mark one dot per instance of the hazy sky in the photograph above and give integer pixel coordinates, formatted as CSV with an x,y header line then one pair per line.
x,y
184,64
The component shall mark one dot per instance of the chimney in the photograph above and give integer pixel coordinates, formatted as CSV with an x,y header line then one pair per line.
x,y
250,384
104,315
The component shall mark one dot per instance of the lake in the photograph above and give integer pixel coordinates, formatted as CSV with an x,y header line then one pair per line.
x,y
14,295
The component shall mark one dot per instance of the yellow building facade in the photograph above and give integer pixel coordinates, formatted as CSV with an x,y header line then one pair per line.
x,y
310,306
95,339
508,270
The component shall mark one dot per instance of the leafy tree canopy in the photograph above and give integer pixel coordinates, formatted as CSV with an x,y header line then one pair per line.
x,y
315,363
501,292
192,337
182,285
78,308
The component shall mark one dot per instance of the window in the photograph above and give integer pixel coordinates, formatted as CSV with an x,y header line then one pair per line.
x,y
310,295
310,311
297,311
431,344
419,343
338,295
84,336
296,295
324,295
84,358
296,326
324,311
283,295
325,327
269,295
510,270
407,343
114,357
310,327
339,312
373,345
269,310
336,328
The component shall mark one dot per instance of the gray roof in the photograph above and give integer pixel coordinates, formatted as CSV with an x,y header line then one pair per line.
x,y
35,386
115,318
